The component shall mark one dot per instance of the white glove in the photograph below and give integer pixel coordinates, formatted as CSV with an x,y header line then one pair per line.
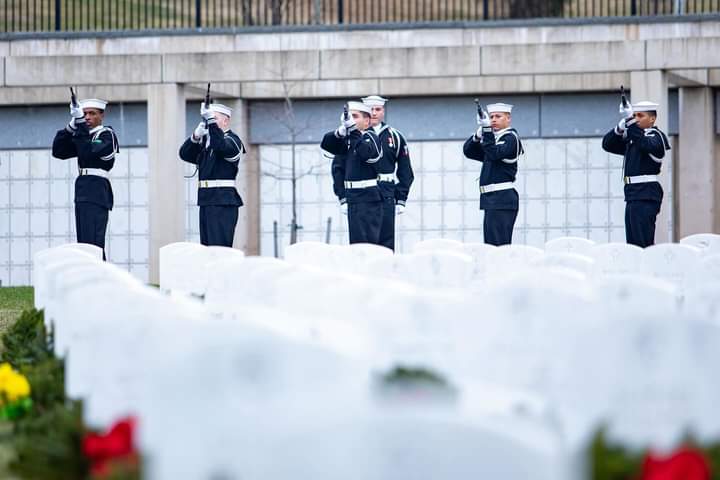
x,y
206,113
626,112
341,131
483,119
620,126
348,124
200,131
343,208
76,111
399,209
625,123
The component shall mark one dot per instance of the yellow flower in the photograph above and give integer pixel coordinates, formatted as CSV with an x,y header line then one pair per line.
x,y
5,372
17,387
13,385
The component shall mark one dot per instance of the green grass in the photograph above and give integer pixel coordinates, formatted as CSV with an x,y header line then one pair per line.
x,y
13,300
16,298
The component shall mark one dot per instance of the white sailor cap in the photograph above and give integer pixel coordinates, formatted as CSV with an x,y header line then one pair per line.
x,y
374,101
359,106
220,108
93,103
645,106
499,107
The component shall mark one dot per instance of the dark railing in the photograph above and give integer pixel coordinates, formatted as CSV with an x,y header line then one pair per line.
x,y
109,15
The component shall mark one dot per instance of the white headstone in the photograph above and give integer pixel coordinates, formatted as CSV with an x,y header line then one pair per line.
x,y
576,245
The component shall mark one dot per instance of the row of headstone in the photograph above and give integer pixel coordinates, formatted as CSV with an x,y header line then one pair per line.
x,y
562,295
282,384
273,373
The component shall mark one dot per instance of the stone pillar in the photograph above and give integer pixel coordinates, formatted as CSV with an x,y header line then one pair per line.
x,y
695,176
652,85
166,187
247,232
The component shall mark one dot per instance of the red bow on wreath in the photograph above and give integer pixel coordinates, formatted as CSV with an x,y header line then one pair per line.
x,y
116,444
684,464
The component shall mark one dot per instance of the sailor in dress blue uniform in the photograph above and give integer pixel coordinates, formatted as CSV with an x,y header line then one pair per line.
x,y
643,147
498,147
217,151
357,152
95,147
395,171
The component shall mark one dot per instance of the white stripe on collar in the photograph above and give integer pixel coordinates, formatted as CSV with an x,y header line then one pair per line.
x,y
380,128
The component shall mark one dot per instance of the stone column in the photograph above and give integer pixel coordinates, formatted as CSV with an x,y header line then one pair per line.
x,y
652,85
247,232
695,176
166,187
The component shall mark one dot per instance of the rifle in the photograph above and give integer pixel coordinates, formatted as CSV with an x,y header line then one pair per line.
x,y
479,107
208,98
73,97
346,115
623,98
208,101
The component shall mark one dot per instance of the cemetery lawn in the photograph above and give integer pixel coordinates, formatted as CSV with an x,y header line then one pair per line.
x,y
13,301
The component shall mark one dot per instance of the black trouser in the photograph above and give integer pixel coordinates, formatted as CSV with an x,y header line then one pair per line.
x,y
640,218
91,224
498,226
364,222
387,228
217,224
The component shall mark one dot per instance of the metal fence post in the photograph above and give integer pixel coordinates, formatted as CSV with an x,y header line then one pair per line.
x,y
340,10
486,13
57,15
198,13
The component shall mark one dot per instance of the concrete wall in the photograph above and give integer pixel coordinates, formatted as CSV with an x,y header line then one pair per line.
x,y
649,57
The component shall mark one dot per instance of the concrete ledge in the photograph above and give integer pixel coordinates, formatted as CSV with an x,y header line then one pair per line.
x,y
456,85
84,70
683,53
349,37
400,62
581,82
61,95
714,77
197,91
548,34
274,30
565,57
240,66
311,89
688,78
123,46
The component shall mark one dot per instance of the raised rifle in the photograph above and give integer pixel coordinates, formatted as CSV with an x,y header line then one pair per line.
x,y
478,106
73,98
623,98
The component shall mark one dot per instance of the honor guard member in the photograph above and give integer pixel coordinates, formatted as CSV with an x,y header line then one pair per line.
x,y
217,151
643,147
355,144
95,147
395,172
498,146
